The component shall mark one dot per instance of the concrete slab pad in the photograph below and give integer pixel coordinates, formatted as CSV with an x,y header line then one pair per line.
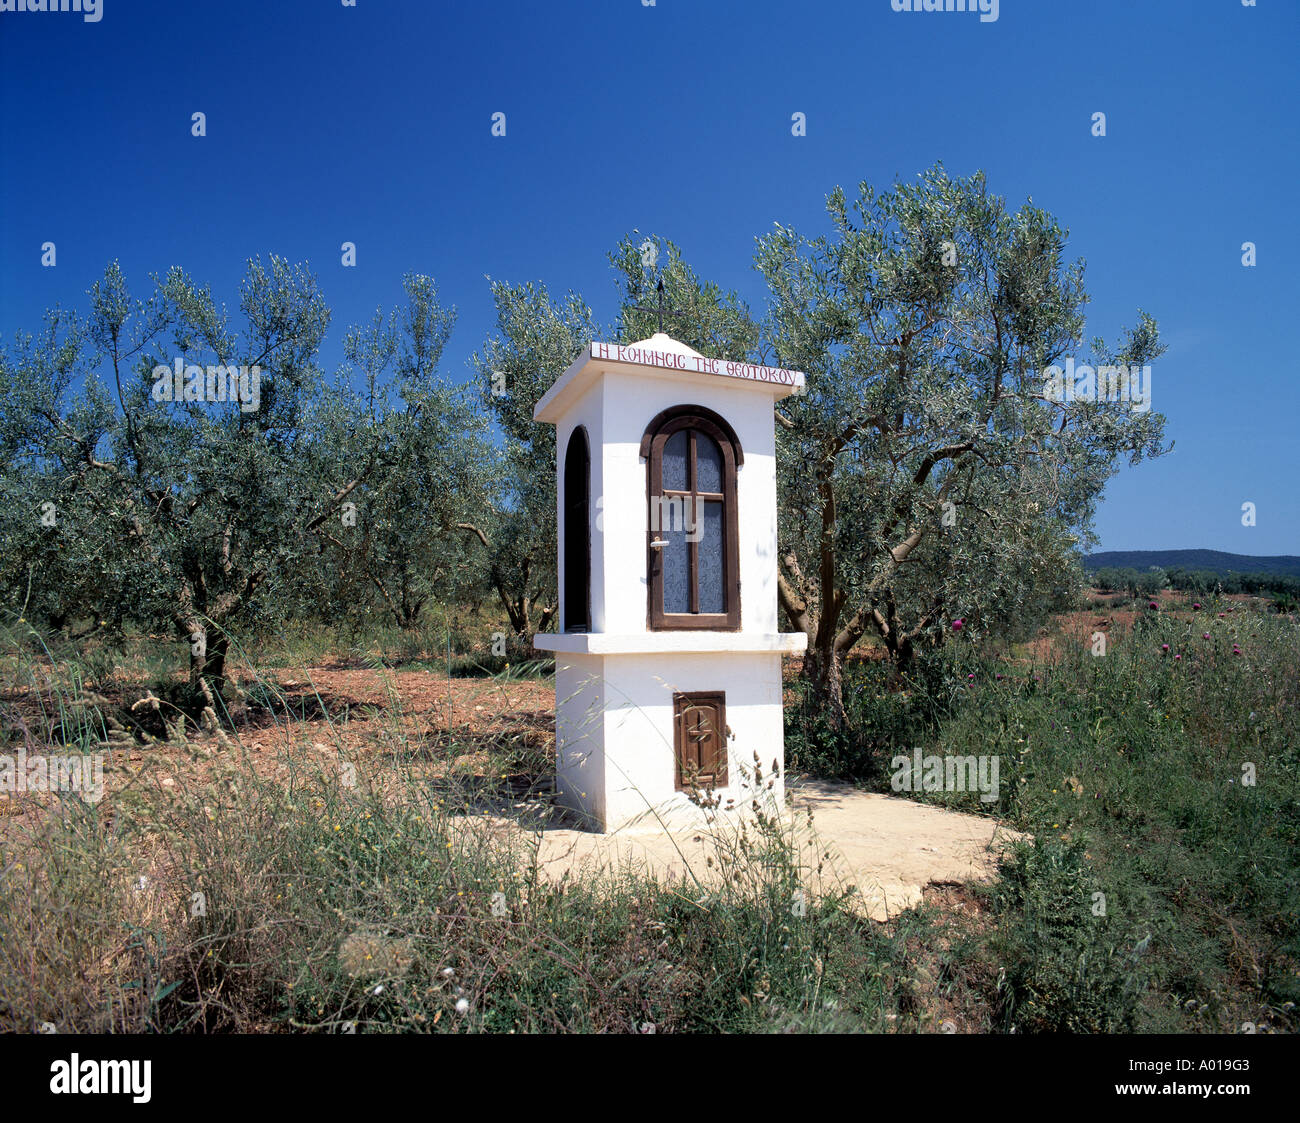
x,y
887,848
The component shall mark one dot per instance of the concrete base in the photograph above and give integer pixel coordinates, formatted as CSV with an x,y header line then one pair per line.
x,y
615,764
884,849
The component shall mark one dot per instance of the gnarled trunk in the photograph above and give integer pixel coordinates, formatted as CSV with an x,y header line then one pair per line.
x,y
209,667
823,680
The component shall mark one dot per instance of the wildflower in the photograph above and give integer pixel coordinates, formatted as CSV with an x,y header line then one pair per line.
x,y
957,625
462,1005
1176,657
1153,605
1164,647
970,678
1196,607
1205,635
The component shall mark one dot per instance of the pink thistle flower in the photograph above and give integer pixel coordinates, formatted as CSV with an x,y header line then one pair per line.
x,y
957,625
1164,647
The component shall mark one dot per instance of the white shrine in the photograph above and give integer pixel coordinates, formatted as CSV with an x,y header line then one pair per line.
x,y
668,657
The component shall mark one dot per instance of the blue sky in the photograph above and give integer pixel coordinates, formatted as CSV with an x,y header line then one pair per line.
x,y
371,124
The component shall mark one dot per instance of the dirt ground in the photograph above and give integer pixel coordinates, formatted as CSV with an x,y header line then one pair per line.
x,y
425,726
398,722
1079,626
378,722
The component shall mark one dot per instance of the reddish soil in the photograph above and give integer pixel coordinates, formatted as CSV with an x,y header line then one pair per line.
x,y
420,719
336,710
1079,626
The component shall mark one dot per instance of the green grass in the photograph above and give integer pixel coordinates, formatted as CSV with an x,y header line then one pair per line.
x,y
323,908
1133,772
320,901
1158,891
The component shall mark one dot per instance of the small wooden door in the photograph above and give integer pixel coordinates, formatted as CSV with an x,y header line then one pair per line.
x,y
700,739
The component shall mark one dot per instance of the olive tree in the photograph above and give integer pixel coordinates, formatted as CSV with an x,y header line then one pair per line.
x,y
933,472
188,489
535,340
197,503
702,314
395,543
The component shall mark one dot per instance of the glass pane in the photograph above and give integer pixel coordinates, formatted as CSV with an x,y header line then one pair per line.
x,y
712,543
677,594
675,450
708,464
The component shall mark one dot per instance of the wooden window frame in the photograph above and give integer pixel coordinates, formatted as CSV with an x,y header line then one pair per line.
x,y
682,702
695,418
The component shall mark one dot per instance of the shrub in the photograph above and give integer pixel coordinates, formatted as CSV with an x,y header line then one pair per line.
x,y
1066,969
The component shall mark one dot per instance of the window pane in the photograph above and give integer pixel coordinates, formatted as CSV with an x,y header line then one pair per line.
x,y
708,464
676,571
711,546
675,451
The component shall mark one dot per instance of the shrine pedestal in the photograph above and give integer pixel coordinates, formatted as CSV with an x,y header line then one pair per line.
x,y
623,717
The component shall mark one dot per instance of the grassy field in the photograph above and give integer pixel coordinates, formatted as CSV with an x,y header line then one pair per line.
x,y
306,868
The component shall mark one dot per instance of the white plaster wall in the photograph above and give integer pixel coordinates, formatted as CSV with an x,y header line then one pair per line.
x,y
580,773
640,769
631,402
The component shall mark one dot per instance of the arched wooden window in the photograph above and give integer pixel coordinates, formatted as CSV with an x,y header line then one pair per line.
x,y
577,533
692,544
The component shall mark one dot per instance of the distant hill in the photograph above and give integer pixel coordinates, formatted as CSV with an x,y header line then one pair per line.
x,y
1283,565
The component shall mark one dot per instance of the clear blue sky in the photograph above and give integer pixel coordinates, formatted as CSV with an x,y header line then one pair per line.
x,y
371,124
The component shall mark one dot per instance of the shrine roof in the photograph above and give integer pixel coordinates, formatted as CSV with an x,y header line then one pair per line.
x,y
663,356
